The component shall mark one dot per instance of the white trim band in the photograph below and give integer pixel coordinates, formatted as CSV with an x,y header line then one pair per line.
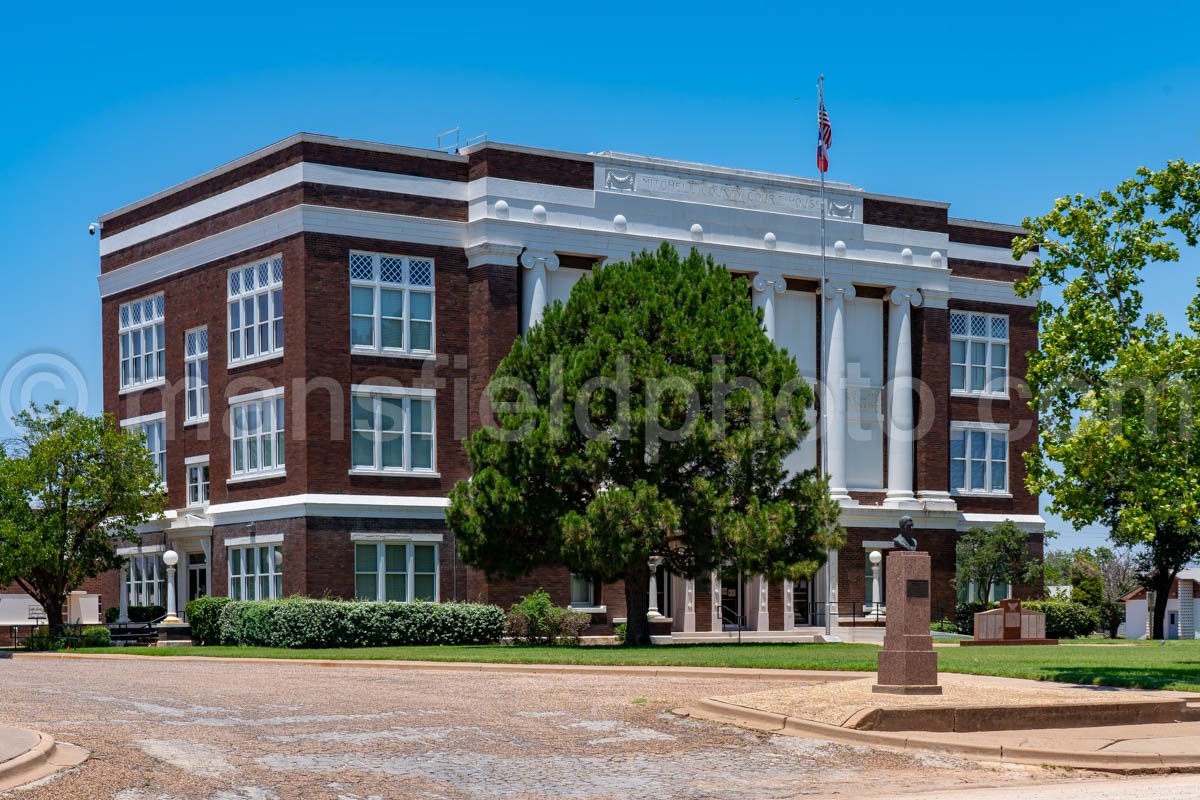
x,y
253,539
364,536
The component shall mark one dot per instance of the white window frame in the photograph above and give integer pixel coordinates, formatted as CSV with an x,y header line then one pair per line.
x,y
406,396
145,425
407,288
578,581
137,320
994,385
260,283
409,544
251,580
990,430
142,586
195,376
243,443
199,476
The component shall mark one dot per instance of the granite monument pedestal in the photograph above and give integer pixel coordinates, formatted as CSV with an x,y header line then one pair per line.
x,y
907,663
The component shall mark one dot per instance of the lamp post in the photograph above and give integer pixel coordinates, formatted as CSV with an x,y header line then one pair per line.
x,y
655,563
876,572
171,558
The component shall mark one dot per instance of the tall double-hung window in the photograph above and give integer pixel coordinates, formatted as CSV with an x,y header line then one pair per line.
x,y
195,374
391,304
978,458
141,342
978,353
256,311
257,440
152,427
392,430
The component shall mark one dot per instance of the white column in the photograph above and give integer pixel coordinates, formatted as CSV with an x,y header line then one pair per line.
x,y
765,289
535,289
123,599
206,546
789,609
715,603
762,621
836,293
900,401
655,563
689,605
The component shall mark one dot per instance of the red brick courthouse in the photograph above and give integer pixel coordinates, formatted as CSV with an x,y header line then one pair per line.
x,y
303,335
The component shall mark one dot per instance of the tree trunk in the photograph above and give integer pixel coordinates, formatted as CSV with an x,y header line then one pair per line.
x,y
637,605
1160,583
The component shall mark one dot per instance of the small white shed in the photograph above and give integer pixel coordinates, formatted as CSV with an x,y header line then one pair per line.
x,y
1182,609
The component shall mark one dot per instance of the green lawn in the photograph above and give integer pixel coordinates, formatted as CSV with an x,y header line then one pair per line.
x,y
1146,665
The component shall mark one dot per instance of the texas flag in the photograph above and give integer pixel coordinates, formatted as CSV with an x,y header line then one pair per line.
x,y
824,137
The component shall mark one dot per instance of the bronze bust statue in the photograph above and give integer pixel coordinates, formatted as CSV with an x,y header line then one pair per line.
x,y
905,539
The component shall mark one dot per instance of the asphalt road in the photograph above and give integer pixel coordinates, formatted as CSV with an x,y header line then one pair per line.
x,y
176,730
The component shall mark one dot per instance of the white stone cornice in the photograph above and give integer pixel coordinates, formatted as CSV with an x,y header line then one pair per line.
x,y
766,283
935,298
501,255
901,295
531,259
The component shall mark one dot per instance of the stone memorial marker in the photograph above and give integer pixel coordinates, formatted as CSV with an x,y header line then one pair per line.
x,y
907,663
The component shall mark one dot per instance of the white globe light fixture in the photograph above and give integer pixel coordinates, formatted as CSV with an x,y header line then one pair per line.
x,y
171,558
876,559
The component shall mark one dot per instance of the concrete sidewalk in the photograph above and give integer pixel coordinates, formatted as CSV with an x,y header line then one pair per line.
x,y
27,756
998,719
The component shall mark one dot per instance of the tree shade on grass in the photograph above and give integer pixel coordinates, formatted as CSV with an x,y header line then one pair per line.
x,y
1141,665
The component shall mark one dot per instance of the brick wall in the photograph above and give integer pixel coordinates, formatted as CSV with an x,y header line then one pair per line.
x,y
931,367
898,214
194,299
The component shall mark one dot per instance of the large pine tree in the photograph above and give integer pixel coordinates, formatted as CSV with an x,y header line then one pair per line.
x,y
648,416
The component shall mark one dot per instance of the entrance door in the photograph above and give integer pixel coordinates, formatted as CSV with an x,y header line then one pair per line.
x,y
197,575
801,591
1172,625
733,602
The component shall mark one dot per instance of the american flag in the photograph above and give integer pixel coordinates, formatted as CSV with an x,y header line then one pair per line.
x,y
824,137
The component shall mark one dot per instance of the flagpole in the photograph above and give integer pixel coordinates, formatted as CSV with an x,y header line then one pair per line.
x,y
824,431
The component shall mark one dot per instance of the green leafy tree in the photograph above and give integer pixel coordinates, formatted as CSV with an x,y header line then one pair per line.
x,y
1116,392
71,488
648,416
991,556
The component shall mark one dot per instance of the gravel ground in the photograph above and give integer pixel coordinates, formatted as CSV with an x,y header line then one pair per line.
x,y
164,730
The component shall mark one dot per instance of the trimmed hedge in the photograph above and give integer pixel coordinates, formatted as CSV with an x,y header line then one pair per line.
x,y
306,623
1065,619
204,615
146,613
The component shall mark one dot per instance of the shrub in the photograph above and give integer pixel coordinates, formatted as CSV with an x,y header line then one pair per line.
x,y
1065,619
619,632
40,640
536,620
204,615
146,613
96,636
964,616
111,615
300,622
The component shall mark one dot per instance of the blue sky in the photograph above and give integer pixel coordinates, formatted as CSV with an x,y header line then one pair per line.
x,y
997,112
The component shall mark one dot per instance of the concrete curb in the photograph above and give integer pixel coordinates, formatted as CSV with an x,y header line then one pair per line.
x,y
741,673
756,719
44,758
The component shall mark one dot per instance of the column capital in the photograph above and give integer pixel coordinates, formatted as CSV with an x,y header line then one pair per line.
x,y
901,295
833,288
769,283
531,259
